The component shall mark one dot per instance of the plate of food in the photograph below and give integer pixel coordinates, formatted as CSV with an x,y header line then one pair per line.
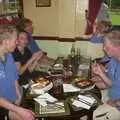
x,y
83,83
41,85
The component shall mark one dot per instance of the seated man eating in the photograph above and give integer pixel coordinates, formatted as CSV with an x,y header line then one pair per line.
x,y
109,80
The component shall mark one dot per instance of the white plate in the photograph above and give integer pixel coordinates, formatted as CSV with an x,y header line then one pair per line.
x,y
42,90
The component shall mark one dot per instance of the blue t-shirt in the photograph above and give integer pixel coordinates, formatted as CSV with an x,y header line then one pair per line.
x,y
114,74
8,77
97,39
32,45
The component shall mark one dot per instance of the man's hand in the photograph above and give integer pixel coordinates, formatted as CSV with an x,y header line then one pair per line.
x,y
25,114
37,56
19,113
96,78
98,69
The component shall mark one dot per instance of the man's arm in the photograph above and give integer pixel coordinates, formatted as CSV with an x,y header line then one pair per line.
x,y
98,70
19,97
99,82
106,79
25,114
35,57
6,104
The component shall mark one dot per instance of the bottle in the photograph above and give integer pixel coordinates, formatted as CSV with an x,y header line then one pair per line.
x,y
60,86
73,57
78,56
73,50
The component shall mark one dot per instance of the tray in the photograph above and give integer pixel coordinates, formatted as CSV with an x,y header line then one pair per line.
x,y
71,99
52,110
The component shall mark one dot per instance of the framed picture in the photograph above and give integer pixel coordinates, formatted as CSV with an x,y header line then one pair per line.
x,y
43,3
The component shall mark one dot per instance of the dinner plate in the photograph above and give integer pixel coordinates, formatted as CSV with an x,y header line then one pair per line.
x,y
88,88
41,85
83,83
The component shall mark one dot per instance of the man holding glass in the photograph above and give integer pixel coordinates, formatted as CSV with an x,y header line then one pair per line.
x,y
110,80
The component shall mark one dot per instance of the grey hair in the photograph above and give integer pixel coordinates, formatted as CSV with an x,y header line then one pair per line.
x,y
113,37
6,32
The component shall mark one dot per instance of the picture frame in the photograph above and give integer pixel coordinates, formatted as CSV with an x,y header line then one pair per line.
x,y
43,3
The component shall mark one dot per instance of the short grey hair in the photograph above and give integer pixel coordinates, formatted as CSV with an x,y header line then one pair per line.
x,y
113,37
6,31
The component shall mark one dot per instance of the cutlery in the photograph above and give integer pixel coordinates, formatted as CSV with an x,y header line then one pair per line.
x,y
85,102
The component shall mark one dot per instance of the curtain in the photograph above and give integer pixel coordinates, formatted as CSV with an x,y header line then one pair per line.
x,y
93,9
21,10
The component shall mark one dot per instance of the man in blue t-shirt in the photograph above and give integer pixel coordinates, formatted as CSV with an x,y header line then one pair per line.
x,y
27,25
110,80
10,96
32,45
8,78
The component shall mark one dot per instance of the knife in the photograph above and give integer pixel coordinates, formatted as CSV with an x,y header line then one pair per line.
x,y
85,102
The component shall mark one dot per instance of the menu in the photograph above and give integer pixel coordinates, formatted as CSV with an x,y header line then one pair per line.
x,y
52,109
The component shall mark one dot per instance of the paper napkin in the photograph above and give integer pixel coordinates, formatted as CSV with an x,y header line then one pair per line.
x,y
70,88
84,101
43,99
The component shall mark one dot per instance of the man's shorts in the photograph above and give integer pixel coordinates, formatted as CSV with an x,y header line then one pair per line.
x,y
3,113
106,112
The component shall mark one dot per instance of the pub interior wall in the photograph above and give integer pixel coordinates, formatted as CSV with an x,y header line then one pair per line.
x,y
58,20
65,18
56,48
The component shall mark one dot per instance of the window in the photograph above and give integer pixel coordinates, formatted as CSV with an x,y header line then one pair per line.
x,y
10,7
114,8
13,6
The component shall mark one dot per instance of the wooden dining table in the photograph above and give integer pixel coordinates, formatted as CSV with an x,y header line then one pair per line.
x,y
74,114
